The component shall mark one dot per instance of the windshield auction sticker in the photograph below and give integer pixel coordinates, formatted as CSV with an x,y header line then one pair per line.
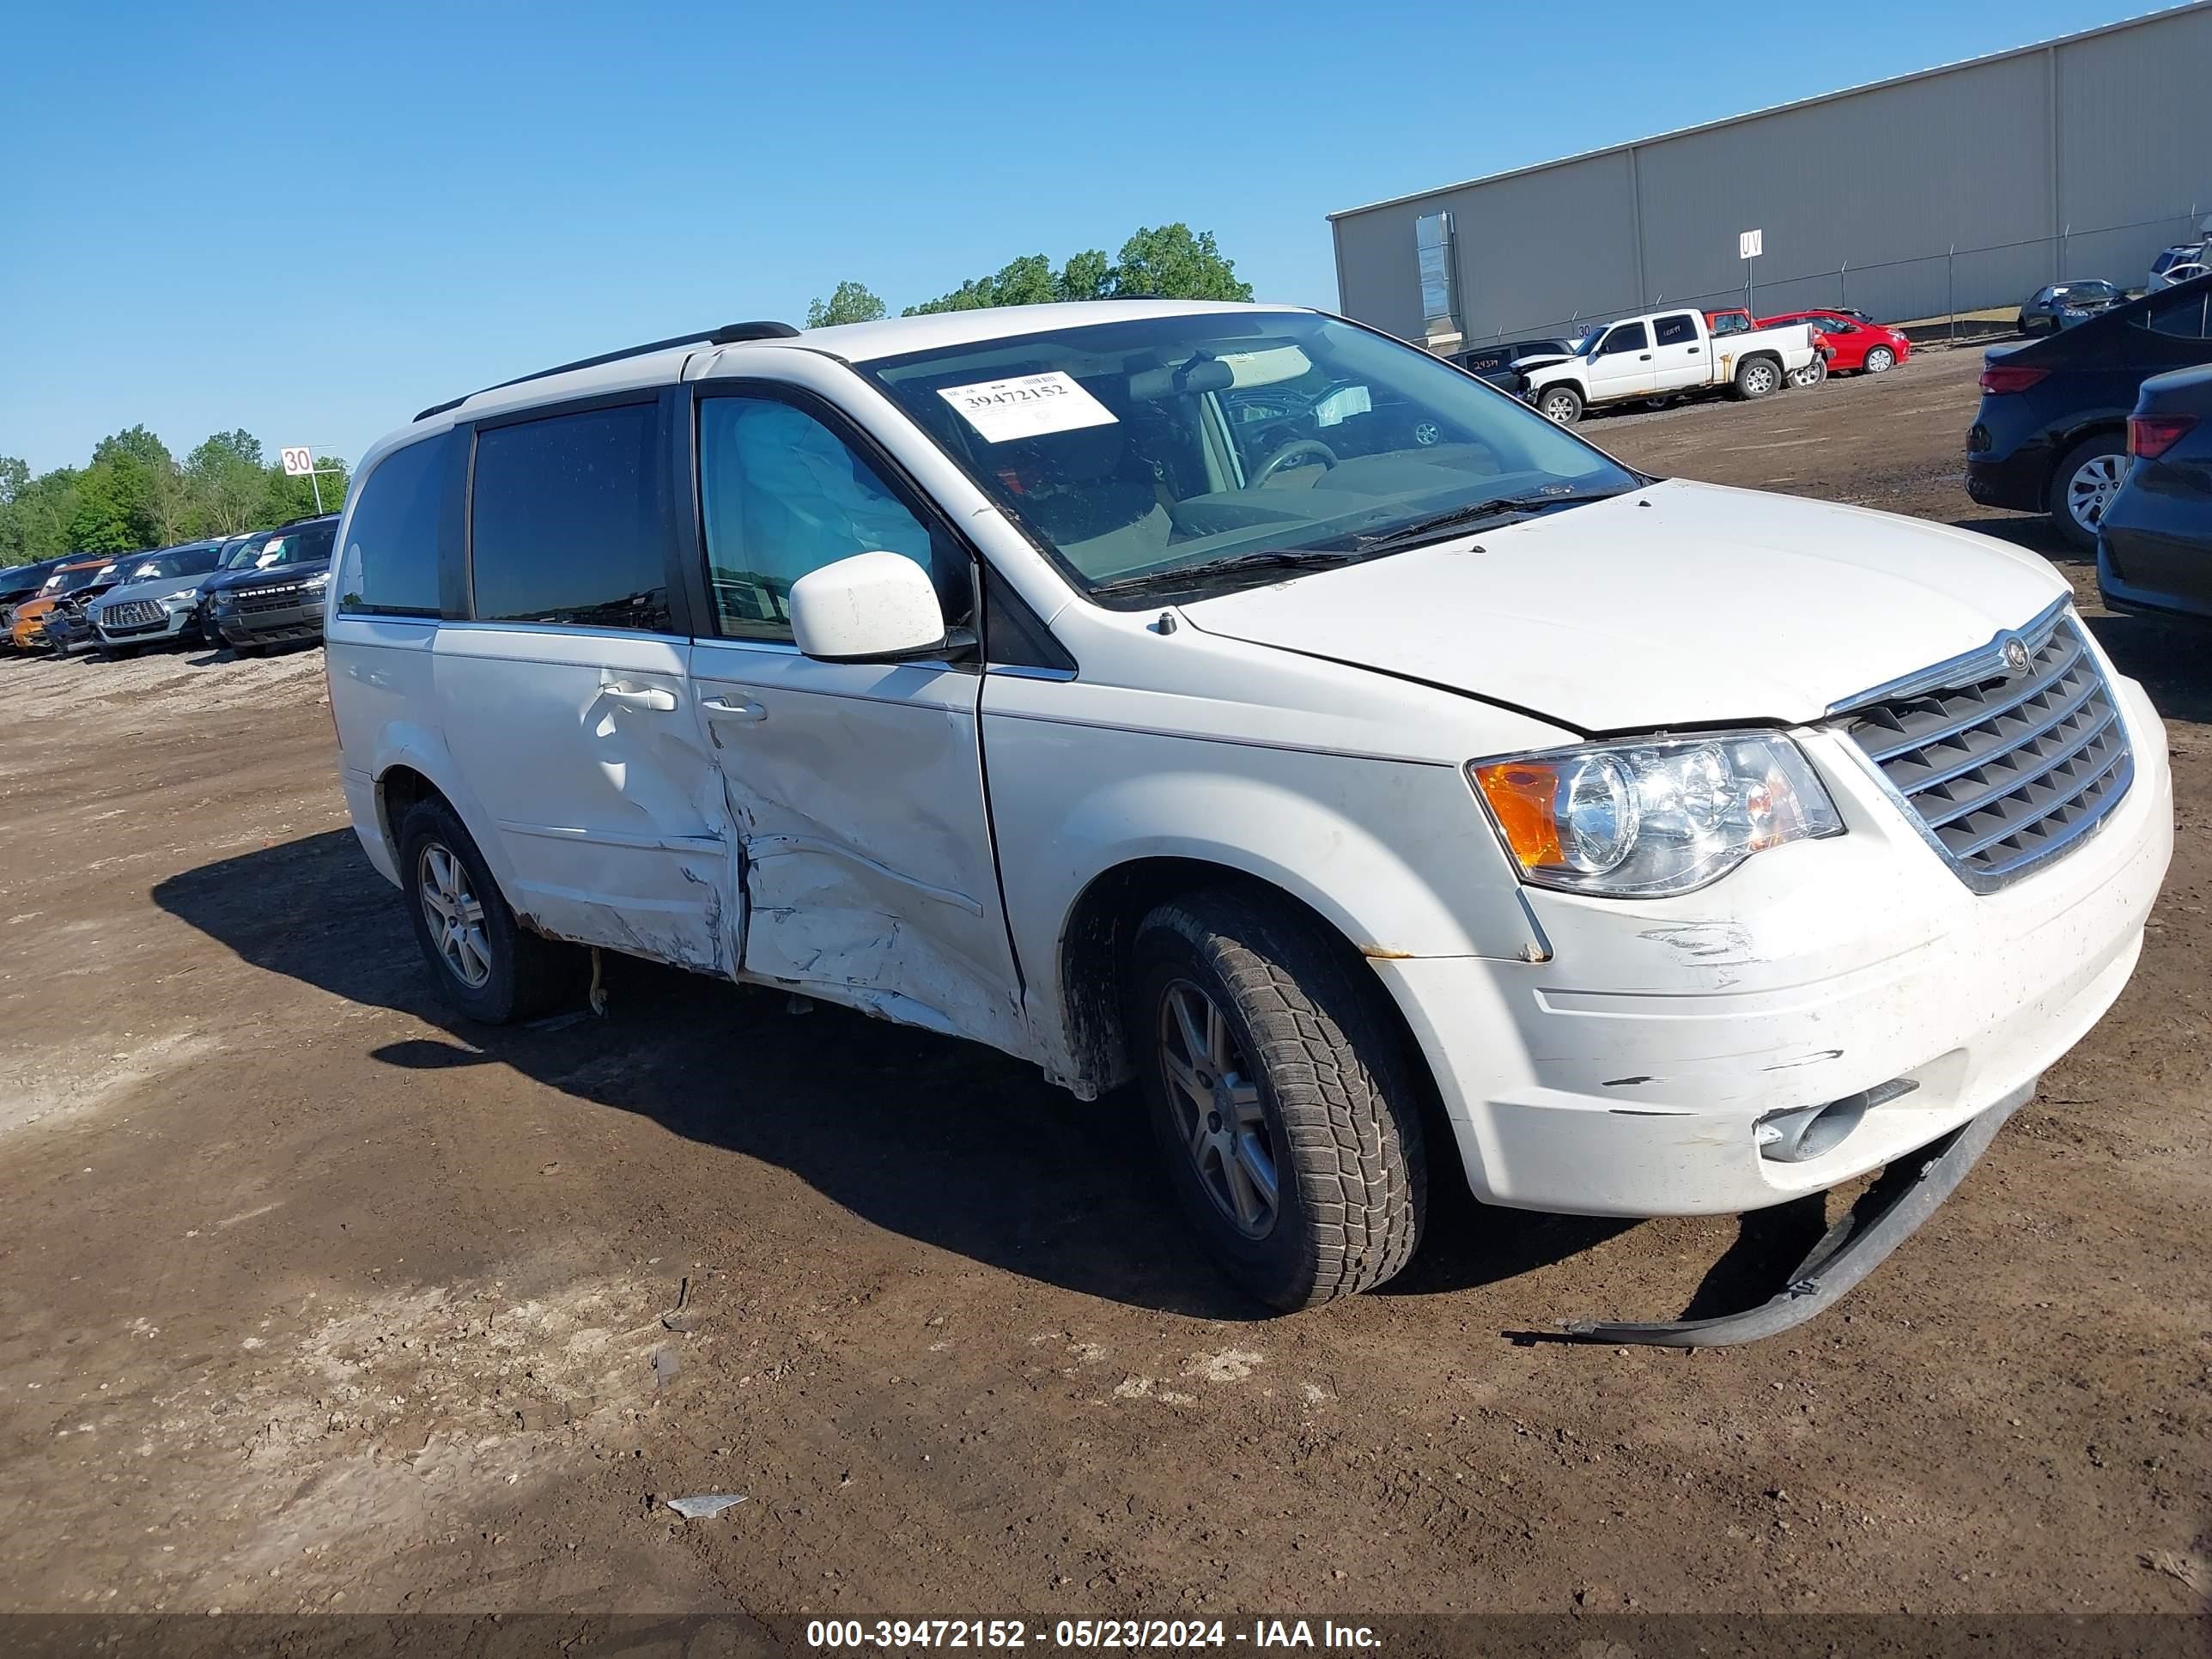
x,y
1028,406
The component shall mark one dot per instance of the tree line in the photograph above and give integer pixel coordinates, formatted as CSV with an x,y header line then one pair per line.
x,y
1172,262
134,494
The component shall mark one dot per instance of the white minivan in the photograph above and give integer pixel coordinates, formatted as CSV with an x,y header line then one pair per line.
x,y
1240,700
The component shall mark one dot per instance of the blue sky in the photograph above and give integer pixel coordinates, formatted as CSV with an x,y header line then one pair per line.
x,y
311,222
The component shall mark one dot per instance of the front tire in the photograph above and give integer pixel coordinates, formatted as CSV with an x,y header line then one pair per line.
x,y
2083,484
1756,377
1811,375
484,963
1562,405
1281,1096
1881,361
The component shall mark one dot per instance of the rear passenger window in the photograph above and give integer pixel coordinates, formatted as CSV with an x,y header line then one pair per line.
x,y
565,521
782,495
1677,330
2182,317
390,562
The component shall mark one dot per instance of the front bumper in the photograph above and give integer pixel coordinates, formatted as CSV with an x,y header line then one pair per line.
x,y
1627,1073
173,623
263,624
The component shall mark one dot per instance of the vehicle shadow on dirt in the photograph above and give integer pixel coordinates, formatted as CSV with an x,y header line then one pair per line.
x,y
937,1139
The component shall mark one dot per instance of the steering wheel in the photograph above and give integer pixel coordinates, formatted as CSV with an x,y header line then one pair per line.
x,y
1294,450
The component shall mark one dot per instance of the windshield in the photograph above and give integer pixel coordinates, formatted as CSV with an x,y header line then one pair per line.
x,y
301,546
1136,449
68,581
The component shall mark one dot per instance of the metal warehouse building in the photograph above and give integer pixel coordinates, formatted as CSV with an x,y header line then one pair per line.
x,y
1953,189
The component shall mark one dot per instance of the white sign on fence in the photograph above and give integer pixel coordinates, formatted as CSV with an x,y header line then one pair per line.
x,y
299,463
1750,244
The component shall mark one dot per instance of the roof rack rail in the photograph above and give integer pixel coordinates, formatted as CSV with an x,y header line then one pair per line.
x,y
728,334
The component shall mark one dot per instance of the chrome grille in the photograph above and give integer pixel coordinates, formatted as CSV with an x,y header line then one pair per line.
x,y
136,613
2003,767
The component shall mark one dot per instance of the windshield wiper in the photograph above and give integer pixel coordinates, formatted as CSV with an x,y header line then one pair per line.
x,y
1497,507
1291,558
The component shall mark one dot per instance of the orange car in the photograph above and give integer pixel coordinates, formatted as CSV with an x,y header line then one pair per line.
x,y
30,623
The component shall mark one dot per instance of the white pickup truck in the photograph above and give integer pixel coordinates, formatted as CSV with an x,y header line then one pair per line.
x,y
1660,355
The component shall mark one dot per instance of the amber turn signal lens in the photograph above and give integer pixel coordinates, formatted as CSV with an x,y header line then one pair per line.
x,y
1523,797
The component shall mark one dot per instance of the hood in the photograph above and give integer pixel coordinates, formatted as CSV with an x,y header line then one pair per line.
x,y
1706,605
1542,360
156,587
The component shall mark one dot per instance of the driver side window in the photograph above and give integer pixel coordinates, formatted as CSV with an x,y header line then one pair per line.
x,y
780,494
1629,336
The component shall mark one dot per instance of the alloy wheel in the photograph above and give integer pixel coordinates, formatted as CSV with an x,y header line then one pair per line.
x,y
1218,1116
455,914
2092,486
1559,408
1881,361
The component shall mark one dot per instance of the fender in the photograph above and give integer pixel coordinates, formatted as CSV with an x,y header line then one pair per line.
x,y
422,749
1433,882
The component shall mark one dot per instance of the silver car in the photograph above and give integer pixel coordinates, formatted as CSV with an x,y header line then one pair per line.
x,y
158,601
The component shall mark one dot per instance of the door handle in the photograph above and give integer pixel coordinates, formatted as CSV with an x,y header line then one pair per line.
x,y
639,696
1645,358
1694,351
745,714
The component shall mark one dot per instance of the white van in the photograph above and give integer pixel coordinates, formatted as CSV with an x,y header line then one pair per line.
x,y
1240,700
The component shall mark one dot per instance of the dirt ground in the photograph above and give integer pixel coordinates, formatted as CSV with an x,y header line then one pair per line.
x,y
312,1298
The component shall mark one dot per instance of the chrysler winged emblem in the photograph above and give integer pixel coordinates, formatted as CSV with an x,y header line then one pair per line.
x,y
2016,656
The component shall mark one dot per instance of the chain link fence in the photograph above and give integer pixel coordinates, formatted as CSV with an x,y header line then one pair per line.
x,y
1930,289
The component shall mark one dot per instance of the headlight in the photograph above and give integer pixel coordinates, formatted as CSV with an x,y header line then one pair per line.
x,y
184,601
320,579
1643,819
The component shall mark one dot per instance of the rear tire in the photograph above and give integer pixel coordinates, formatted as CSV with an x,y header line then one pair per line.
x,y
1280,1095
1562,405
485,964
1881,361
1756,377
2083,486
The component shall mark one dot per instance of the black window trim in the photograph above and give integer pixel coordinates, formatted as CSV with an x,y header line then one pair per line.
x,y
691,522
664,398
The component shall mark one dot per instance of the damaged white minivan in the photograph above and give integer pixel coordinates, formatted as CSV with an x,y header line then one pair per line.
x,y
1239,700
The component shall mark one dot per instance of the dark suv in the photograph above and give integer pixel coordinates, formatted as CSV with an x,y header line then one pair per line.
x,y
277,596
2052,434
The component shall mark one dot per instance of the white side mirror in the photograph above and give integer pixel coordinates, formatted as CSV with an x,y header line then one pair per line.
x,y
872,607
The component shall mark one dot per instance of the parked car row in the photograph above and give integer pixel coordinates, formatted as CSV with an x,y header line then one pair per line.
x,y
1662,355
2052,433
248,591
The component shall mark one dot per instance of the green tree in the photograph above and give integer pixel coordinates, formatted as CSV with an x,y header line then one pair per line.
x,y
284,498
1177,264
1086,275
850,303
100,520
228,479
41,513
1173,262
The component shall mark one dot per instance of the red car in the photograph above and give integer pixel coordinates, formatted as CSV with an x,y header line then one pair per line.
x,y
1860,345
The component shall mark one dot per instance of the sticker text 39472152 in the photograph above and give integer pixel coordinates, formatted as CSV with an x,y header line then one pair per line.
x,y
1027,406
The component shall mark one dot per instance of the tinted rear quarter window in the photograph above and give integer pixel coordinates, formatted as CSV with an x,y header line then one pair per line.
x,y
1677,330
391,563
566,523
